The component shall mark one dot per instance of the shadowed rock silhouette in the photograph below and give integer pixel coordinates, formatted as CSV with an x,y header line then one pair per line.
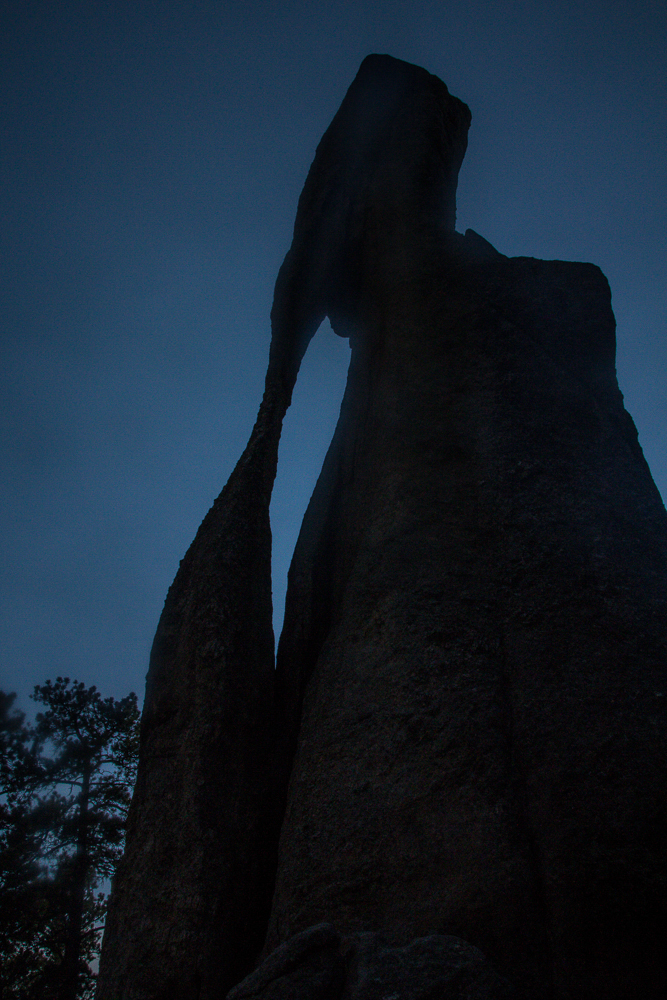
x,y
454,782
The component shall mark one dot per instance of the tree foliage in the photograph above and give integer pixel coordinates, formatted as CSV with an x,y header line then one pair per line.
x,y
65,787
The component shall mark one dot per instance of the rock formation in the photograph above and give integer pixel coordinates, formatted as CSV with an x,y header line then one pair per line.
x,y
454,783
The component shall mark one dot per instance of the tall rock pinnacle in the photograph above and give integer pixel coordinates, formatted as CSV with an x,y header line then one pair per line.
x,y
457,770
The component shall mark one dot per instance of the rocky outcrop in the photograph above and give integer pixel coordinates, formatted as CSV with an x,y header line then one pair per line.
x,y
481,734
461,757
190,900
320,965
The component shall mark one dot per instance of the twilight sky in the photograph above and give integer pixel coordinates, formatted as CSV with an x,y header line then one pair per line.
x,y
151,158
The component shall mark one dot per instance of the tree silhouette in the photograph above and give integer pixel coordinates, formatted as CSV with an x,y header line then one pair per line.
x,y
66,787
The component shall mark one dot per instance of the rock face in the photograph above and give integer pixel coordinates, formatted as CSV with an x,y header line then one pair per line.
x,y
190,901
465,742
481,736
320,965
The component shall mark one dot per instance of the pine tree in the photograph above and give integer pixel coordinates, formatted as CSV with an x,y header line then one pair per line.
x,y
67,783
23,870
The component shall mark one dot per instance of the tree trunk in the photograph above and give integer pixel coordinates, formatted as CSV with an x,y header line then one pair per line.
x,y
71,960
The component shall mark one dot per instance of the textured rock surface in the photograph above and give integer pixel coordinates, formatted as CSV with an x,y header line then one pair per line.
x,y
318,965
190,900
467,740
193,886
307,967
475,628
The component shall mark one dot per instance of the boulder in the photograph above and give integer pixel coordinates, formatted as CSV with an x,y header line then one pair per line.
x,y
318,964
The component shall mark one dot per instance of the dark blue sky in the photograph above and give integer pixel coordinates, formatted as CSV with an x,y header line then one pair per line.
x,y
152,155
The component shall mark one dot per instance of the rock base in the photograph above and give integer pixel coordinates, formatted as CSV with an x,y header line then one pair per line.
x,y
320,964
